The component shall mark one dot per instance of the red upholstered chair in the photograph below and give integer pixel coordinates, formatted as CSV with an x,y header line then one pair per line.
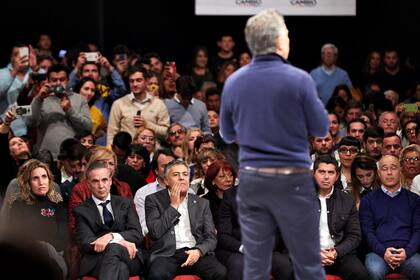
x,y
187,277
93,278
395,276
333,277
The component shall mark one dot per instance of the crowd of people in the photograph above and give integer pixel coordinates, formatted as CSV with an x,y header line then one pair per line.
x,y
116,167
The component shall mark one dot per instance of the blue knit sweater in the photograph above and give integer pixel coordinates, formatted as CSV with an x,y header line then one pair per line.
x,y
270,108
391,222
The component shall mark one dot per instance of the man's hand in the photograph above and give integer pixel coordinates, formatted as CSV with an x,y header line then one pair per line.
x,y
81,59
393,260
193,256
32,59
102,60
9,117
65,103
44,90
176,195
400,256
131,248
100,244
139,121
328,256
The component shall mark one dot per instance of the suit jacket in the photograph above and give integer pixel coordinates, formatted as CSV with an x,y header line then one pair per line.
x,y
161,219
343,222
89,227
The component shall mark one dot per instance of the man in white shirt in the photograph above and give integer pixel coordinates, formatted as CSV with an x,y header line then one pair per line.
x,y
181,227
338,224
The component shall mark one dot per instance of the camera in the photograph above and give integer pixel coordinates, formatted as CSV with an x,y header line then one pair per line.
x,y
39,77
59,90
22,110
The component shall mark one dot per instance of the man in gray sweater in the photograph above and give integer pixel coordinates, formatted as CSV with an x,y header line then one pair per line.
x,y
57,113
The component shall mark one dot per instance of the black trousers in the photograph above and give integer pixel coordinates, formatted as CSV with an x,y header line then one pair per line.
x,y
116,264
166,268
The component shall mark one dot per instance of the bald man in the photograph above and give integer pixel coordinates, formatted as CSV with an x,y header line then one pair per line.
x,y
390,221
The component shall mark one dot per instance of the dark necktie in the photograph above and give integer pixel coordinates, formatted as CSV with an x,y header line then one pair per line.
x,y
108,220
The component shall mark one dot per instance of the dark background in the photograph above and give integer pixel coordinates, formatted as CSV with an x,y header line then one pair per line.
x,y
172,29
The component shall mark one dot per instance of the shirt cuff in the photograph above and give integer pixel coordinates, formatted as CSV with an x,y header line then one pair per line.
x,y
117,238
241,249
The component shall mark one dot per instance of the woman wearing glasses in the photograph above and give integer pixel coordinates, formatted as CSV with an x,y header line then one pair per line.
x,y
410,164
348,149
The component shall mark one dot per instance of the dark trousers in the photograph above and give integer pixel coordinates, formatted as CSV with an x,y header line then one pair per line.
x,y
116,264
281,267
269,203
166,268
348,267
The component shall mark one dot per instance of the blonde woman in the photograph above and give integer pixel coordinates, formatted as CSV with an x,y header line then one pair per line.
x,y
188,145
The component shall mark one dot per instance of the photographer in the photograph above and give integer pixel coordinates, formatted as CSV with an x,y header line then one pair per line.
x,y
56,112
13,80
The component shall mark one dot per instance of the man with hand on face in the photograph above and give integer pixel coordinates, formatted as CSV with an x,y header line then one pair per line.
x,y
181,228
108,230
339,224
390,221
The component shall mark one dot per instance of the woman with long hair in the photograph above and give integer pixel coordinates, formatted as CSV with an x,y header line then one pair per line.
x,y
364,177
37,212
99,108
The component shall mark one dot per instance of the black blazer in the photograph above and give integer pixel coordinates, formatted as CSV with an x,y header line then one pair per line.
x,y
161,219
89,227
229,233
343,222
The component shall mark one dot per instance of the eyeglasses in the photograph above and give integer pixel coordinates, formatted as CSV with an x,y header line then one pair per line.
x,y
411,159
344,150
179,131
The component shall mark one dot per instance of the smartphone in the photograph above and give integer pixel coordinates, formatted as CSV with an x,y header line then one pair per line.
x,y
138,114
24,51
91,56
62,53
411,108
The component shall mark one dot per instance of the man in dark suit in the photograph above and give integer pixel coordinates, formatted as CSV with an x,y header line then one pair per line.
x,y
182,230
339,226
108,230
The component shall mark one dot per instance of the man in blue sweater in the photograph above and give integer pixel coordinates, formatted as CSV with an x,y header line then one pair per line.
x,y
327,76
270,108
390,221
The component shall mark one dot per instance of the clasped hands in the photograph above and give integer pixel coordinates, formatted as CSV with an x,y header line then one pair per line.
x,y
328,256
394,257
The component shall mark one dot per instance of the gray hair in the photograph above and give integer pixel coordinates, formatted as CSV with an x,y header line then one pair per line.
x,y
97,164
262,31
171,164
328,46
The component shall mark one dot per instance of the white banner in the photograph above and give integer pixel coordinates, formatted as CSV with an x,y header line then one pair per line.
x,y
285,7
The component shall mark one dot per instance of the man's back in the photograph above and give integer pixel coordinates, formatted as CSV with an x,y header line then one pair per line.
x,y
257,106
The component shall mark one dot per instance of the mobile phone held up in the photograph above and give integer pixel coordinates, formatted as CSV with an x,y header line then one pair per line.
x,y
138,114
24,52
22,110
91,56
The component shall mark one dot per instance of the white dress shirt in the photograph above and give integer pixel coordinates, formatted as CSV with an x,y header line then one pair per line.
x,y
183,235
324,233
